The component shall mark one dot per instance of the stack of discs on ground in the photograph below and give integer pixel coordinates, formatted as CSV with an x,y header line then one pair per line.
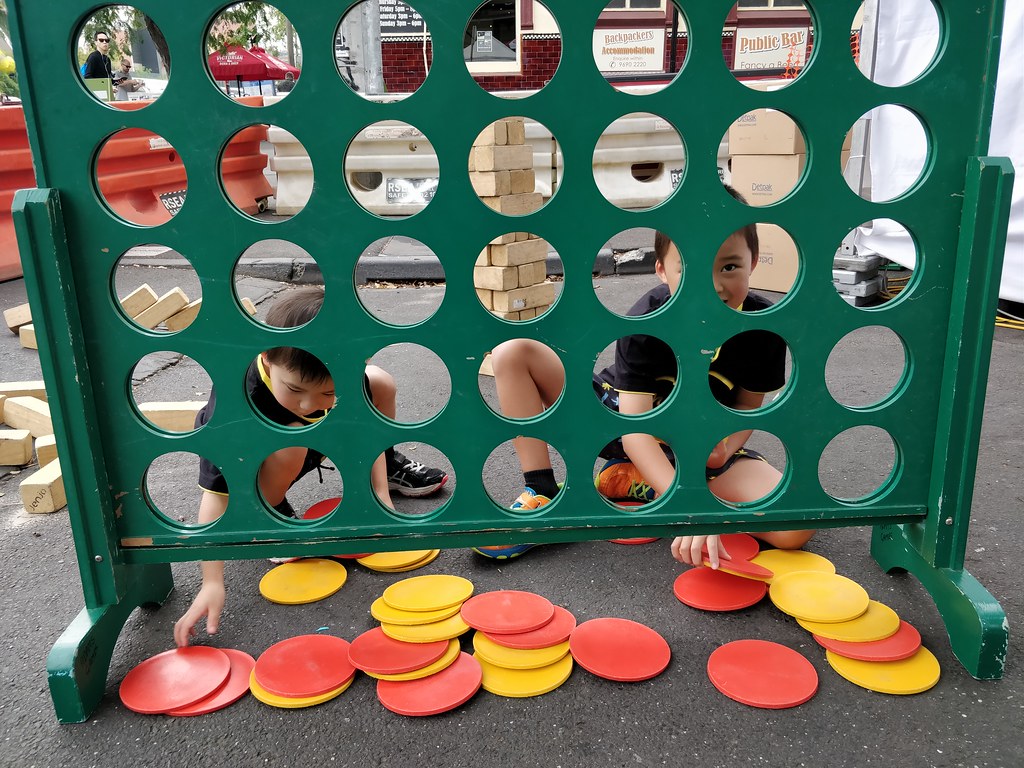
x,y
521,642
187,681
399,562
302,671
304,580
415,653
734,585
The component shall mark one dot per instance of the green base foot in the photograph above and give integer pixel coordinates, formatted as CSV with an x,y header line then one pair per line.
x,y
79,660
975,622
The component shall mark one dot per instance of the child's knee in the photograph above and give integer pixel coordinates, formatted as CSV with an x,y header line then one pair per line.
x,y
788,539
509,353
382,383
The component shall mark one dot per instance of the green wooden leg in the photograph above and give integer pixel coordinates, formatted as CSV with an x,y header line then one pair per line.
x,y
79,660
975,621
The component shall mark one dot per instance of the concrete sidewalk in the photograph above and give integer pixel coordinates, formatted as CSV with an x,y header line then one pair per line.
x,y
675,719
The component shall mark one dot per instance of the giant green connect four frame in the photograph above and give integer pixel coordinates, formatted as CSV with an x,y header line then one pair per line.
x,y
70,243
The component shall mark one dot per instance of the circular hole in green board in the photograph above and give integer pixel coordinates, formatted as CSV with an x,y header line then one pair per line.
x,y
391,169
421,481
506,487
751,369
518,276
658,363
750,474
249,56
140,177
866,279
760,257
312,485
766,56
503,58
408,383
406,49
289,386
268,272
905,40
269,188
899,153
616,287
845,375
169,390
617,479
768,155
174,483
381,279
859,464
640,61
515,165
639,161
535,371
156,288
118,58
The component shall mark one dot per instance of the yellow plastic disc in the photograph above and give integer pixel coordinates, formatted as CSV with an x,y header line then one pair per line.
x,y
914,675
783,561
431,557
815,596
520,683
510,658
304,581
450,655
445,629
392,560
876,623
383,612
428,593
286,702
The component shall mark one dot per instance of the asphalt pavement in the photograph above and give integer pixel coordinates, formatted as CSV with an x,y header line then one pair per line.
x,y
677,718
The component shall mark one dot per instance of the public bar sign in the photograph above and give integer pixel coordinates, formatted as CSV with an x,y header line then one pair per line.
x,y
398,18
630,50
770,47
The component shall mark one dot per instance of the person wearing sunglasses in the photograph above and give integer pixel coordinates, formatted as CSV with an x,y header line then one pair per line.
x,y
98,64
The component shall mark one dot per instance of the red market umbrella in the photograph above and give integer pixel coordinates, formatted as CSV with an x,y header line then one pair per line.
x,y
236,63
276,69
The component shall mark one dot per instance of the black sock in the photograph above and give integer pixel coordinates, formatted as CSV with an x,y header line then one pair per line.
x,y
542,481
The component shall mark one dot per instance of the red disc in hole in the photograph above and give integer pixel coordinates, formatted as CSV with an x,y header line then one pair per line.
x,y
507,611
762,674
619,649
711,590
453,686
322,508
304,666
174,679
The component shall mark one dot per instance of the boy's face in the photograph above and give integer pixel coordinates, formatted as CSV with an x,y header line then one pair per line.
x,y
298,395
670,269
102,43
732,268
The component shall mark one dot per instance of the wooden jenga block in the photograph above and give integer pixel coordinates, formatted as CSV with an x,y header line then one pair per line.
x,y
515,130
508,237
496,278
484,259
29,413
27,333
34,388
505,315
46,449
492,183
2,399
515,205
495,134
521,181
520,252
486,368
174,417
485,298
502,158
184,318
142,298
15,317
528,314
524,298
43,490
532,273
520,236
248,306
167,305
15,447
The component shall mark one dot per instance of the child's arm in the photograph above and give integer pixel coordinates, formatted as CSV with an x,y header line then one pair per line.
x,y
644,450
745,401
210,600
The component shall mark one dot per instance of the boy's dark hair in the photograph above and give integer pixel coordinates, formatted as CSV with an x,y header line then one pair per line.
x,y
662,242
295,309
99,32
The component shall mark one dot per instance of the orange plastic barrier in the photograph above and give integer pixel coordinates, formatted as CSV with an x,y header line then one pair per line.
x,y
15,173
242,167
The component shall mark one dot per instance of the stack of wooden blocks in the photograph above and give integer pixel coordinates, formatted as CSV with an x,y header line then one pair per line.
x,y
510,275
24,409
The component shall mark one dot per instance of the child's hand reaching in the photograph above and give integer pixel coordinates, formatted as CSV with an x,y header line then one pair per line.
x,y
689,550
209,603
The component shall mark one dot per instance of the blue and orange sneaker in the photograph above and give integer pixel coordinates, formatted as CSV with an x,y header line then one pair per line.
x,y
619,480
527,500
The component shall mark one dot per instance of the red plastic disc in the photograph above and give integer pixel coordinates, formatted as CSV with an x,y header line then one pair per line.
x,y
304,666
322,508
740,546
452,687
174,679
506,611
762,674
376,653
619,649
902,645
236,687
744,568
554,632
640,540
711,590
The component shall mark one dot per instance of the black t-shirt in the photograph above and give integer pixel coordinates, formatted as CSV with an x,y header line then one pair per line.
x,y
753,360
98,66
257,387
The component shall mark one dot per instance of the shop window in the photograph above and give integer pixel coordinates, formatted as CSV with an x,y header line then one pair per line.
x,y
491,40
